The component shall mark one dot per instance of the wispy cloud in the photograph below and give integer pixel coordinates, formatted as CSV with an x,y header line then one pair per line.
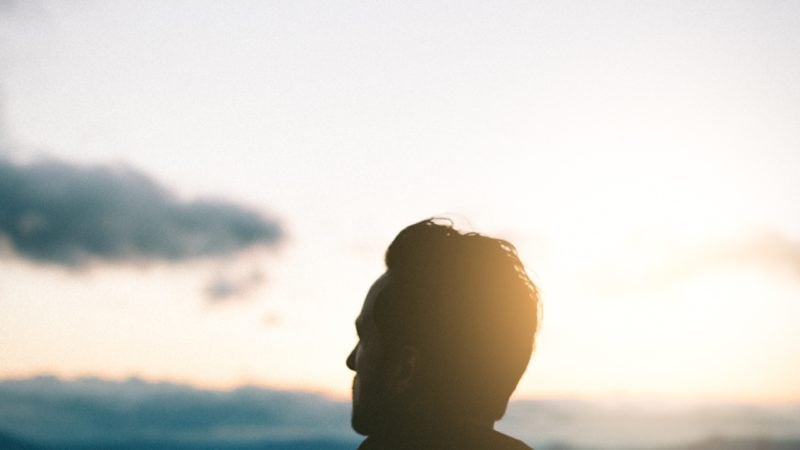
x,y
56,212
770,248
669,264
225,287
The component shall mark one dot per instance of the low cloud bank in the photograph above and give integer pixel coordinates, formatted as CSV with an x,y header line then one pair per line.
x,y
56,212
93,413
647,425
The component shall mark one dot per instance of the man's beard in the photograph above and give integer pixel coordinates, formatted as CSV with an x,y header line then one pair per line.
x,y
375,407
370,404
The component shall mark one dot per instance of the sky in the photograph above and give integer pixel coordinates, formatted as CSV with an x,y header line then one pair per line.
x,y
202,192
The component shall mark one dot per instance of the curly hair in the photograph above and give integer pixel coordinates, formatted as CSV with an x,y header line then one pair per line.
x,y
465,301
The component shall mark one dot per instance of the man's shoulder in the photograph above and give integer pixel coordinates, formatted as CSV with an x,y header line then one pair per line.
x,y
500,441
462,439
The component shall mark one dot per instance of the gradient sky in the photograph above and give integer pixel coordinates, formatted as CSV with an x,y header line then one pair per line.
x,y
644,157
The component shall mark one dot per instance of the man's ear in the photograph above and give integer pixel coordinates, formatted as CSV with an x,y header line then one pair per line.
x,y
407,370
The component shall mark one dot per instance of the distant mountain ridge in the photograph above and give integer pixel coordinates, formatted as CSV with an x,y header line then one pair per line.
x,y
44,413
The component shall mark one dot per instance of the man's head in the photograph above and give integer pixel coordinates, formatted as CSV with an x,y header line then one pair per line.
x,y
447,331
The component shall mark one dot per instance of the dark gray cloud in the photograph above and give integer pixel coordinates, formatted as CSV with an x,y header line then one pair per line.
x,y
56,212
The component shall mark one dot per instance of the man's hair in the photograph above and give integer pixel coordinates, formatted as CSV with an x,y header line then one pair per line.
x,y
466,303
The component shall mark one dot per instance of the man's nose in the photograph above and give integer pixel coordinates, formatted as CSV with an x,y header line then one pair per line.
x,y
351,359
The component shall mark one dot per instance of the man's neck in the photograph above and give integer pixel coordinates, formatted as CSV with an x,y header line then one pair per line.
x,y
433,423
416,433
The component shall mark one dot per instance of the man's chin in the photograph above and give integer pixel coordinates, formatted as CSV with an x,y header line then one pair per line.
x,y
366,423
359,426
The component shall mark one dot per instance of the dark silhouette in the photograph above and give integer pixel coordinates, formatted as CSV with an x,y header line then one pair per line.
x,y
444,337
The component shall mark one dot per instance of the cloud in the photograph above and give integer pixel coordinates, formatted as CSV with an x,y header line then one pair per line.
x,y
108,414
769,248
271,319
666,424
94,411
56,212
225,287
666,264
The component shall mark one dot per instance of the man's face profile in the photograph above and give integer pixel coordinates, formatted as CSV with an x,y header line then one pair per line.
x,y
367,360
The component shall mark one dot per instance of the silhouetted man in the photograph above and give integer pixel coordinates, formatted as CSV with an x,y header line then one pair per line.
x,y
444,337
